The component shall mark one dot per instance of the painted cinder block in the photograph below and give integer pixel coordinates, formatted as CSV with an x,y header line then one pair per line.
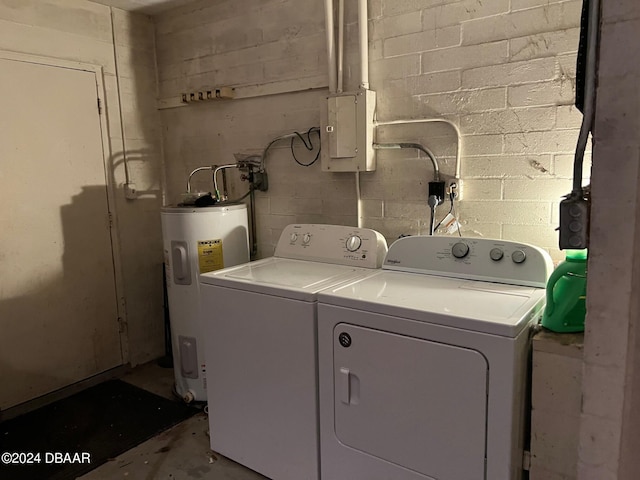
x,y
397,25
465,101
454,58
510,73
422,41
524,4
498,211
547,44
528,22
451,13
482,189
509,121
555,92
536,188
555,141
487,88
507,166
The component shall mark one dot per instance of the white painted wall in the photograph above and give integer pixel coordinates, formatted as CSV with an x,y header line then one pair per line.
x,y
82,31
502,70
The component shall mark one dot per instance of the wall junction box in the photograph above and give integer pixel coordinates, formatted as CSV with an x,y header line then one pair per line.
x,y
346,131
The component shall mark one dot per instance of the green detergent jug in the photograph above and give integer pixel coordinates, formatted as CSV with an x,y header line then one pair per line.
x,y
566,294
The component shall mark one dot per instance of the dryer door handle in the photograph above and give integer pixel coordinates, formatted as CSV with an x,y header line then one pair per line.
x,y
345,385
349,387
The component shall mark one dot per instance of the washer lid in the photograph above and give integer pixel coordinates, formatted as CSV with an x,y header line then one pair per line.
x,y
494,308
297,279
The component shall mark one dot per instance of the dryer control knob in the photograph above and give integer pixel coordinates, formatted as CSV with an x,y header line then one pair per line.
x,y
460,250
293,237
496,254
518,256
306,239
353,243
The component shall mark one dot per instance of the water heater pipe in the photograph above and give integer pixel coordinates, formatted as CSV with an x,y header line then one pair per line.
x,y
215,178
199,169
331,48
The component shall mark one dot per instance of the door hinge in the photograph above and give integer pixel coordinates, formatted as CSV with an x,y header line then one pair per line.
x,y
110,219
122,325
526,460
99,106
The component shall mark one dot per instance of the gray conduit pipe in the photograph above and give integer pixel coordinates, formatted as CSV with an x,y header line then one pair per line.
x,y
417,146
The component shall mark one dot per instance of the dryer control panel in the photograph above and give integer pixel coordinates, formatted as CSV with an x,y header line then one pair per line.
x,y
337,244
484,259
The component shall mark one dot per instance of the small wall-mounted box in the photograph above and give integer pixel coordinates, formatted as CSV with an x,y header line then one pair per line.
x,y
346,130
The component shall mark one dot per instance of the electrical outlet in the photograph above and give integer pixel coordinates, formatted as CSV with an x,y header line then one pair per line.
x,y
454,185
130,192
438,190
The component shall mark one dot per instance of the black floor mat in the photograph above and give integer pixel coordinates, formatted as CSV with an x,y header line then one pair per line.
x,y
102,421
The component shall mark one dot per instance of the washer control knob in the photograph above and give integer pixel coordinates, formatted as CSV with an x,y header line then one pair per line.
x,y
293,237
460,250
496,254
518,256
353,243
306,238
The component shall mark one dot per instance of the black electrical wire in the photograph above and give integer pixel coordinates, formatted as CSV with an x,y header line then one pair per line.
x,y
308,146
451,195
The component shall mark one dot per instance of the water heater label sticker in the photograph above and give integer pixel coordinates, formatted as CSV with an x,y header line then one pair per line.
x,y
210,255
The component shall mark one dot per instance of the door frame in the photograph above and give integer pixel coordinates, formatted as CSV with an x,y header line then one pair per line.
x,y
107,154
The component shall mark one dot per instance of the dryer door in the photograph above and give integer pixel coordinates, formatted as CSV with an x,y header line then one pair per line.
x,y
415,403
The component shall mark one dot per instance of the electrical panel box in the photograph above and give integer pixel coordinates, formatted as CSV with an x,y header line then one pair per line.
x,y
574,222
346,131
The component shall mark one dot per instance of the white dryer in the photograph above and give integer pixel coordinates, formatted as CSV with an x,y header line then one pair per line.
x,y
423,365
260,322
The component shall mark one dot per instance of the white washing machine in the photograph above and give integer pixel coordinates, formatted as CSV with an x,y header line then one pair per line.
x,y
423,365
261,346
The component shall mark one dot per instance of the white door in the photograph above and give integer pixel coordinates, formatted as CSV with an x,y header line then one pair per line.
x,y
58,304
415,403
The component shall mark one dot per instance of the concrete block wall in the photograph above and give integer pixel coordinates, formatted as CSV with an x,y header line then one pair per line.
x,y
275,46
80,30
502,70
556,399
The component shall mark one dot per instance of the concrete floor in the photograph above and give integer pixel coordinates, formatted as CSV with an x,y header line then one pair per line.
x,y
179,453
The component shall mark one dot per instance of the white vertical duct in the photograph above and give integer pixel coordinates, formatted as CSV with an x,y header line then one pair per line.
x,y
363,28
331,47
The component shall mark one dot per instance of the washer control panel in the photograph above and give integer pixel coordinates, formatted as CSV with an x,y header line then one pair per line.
x,y
472,258
336,244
